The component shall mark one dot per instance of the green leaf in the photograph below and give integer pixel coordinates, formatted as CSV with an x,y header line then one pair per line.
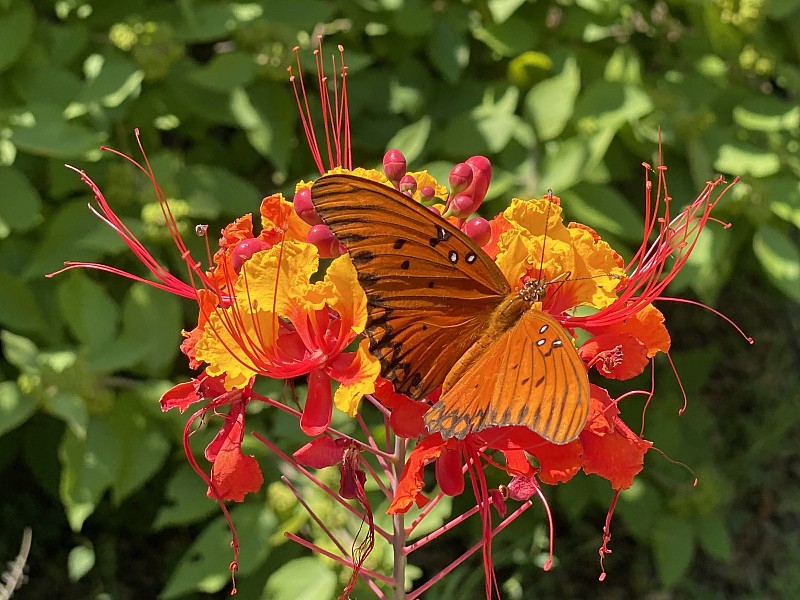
x,y
87,468
767,113
550,103
42,130
69,408
411,140
204,566
16,27
59,85
142,450
740,158
301,579
562,167
603,208
210,189
151,324
80,561
611,104
71,233
448,51
783,192
15,407
780,257
20,204
262,112
19,307
225,72
20,352
714,537
673,548
503,9
89,311
185,501
113,80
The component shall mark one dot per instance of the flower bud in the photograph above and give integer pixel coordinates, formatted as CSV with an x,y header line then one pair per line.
x,y
327,244
461,206
304,207
481,178
408,185
427,193
460,178
394,165
479,230
244,249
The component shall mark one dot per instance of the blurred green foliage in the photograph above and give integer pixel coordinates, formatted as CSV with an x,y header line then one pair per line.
x,y
568,95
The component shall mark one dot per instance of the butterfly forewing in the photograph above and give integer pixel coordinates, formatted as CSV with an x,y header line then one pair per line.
x,y
430,289
531,376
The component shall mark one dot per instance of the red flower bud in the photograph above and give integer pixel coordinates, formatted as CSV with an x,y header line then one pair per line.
x,y
479,230
394,165
327,244
460,178
304,208
244,249
408,185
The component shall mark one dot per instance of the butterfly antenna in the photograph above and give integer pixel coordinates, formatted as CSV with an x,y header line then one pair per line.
x,y
544,238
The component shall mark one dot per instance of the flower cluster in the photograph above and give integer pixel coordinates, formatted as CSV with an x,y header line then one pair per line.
x,y
268,306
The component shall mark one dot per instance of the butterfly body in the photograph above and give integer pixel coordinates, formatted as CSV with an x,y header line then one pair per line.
x,y
441,313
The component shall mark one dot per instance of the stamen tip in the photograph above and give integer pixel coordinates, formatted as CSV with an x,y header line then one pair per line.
x,y
602,577
547,565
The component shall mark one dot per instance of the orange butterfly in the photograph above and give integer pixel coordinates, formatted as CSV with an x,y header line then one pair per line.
x,y
440,312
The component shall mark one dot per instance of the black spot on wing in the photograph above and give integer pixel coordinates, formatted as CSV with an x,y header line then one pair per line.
x,y
399,243
405,265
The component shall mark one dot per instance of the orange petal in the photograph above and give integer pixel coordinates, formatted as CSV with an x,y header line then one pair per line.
x,y
411,482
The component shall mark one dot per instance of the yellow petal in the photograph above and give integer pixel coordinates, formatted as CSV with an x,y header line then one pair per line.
x,y
278,277
232,340
366,369
349,299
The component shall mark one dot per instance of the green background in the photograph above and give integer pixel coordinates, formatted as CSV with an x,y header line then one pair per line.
x,y
562,95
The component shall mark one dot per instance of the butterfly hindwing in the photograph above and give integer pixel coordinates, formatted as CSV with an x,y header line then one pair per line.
x,y
430,289
531,376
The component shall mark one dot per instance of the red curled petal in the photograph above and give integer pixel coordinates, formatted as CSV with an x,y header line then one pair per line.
x,y
320,452
319,404
411,482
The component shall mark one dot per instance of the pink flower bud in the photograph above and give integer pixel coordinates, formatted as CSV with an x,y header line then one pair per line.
x,y
481,177
394,165
244,249
479,230
427,192
304,208
460,178
327,244
408,184
461,206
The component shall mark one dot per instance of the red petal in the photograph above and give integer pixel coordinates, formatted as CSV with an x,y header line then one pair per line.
x,y
406,419
449,475
518,463
615,355
319,404
181,396
558,463
610,448
320,453
411,481
384,391
233,474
